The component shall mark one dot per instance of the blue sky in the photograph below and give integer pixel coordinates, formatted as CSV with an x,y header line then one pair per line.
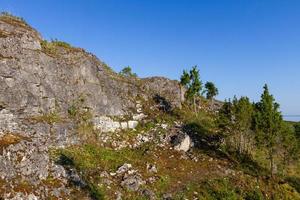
x,y
238,44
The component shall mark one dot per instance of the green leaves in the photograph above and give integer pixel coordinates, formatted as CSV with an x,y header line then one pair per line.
x,y
192,82
127,72
211,90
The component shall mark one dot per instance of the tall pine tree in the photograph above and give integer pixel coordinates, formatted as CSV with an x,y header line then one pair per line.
x,y
268,123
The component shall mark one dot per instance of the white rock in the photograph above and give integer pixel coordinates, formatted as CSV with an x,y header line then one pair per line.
x,y
164,126
139,116
132,124
184,145
124,168
106,124
124,125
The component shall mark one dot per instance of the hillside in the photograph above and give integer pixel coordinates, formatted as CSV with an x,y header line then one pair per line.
x,y
72,128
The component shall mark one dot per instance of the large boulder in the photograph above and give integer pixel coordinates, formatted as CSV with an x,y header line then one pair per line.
x,y
181,142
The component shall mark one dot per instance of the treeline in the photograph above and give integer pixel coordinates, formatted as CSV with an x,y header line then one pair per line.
x,y
247,127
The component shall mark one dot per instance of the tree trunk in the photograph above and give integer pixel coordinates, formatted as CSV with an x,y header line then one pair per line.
x,y
195,109
241,143
182,98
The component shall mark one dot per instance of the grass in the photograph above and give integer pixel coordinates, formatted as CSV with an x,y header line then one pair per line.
x,y
52,48
12,18
49,118
9,139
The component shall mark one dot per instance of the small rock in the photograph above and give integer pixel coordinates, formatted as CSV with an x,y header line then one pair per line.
x,y
132,124
167,197
124,168
181,142
124,125
164,126
148,194
151,168
132,182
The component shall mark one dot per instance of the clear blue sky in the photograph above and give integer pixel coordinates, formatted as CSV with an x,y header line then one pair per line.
x,y
238,44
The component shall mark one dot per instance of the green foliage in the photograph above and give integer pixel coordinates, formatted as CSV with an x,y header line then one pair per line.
x,y
268,123
185,78
254,195
220,189
51,48
192,83
211,90
127,72
78,112
195,85
289,144
297,130
235,121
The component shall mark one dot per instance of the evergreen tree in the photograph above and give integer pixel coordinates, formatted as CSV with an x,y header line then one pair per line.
x,y
297,130
127,72
192,83
243,113
195,85
184,82
211,91
268,123
225,118
235,120
289,144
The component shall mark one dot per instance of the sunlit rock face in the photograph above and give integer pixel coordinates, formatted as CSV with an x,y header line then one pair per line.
x,y
44,87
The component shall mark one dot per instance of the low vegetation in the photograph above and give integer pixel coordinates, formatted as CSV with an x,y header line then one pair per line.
x,y
52,48
127,72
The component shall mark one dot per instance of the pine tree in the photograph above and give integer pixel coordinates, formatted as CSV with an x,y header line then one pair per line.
x,y
243,113
289,144
184,82
211,91
195,85
127,72
235,120
268,123
191,81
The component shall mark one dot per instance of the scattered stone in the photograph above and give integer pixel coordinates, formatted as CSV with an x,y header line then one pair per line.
x,y
164,126
151,168
167,196
124,168
132,182
149,194
139,116
119,195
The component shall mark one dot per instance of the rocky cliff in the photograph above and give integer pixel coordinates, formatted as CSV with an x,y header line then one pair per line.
x,y
46,90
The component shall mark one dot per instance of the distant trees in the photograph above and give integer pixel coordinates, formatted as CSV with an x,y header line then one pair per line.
x,y
191,81
127,72
244,124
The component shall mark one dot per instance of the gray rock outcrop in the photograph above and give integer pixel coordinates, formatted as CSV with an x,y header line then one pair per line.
x,y
41,85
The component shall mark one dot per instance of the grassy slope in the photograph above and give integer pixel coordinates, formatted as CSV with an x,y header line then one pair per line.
x,y
216,175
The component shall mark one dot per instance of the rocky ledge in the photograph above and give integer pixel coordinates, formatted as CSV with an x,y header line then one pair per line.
x,y
50,93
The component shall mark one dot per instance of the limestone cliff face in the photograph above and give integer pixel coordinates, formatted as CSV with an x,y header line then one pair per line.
x,y
38,78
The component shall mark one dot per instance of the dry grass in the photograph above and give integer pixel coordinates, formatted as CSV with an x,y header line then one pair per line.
x,y
9,139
